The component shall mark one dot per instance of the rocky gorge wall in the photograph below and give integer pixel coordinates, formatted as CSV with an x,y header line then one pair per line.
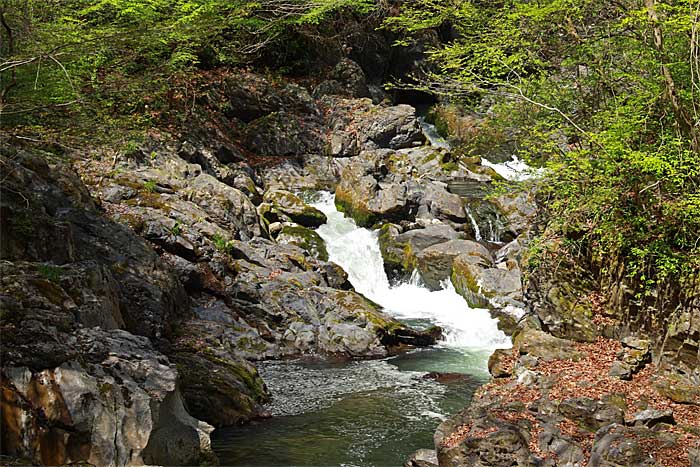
x,y
139,288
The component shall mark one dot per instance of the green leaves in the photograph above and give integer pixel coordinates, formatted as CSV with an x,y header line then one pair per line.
x,y
115,58
581,87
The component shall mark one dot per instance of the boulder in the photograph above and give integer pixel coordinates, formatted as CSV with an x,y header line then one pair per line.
x,y
117,404
636,353
304,238
616,445
499,365
435,262
357,125
438,203
684,389
393,127
346,79
422,458
519,209
544,346
368,200
481,284
651,417
251,96
286,206
298,313
313,172
591,414
401,250
218,385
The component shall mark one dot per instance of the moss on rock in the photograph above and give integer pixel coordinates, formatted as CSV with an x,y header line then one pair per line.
x,y
304,238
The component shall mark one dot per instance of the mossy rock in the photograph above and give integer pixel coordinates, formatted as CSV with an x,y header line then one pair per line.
x,y
398,256
221,391
304,238
357,211
465,279
284,205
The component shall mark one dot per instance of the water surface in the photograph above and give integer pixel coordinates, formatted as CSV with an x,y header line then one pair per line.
x,y
371,413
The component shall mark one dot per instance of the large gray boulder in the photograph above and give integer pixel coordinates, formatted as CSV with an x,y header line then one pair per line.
x,y
117,404
435,262
345,79
357,125
367,197
401,250
438,203
393,127
482,284
282,205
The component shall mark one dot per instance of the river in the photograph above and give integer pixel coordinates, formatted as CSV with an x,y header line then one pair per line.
x,y
370,413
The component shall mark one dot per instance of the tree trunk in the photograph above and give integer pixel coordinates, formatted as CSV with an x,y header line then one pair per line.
x,y
683,120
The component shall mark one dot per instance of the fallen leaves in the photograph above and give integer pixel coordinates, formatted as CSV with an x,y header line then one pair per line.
x,y
587,378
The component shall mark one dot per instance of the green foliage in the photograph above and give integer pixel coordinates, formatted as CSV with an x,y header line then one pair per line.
x,y
50,273
222,244
582,88
117,58
176,229
150,186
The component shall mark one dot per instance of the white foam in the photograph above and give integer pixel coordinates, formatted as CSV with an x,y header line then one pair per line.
x,y
357,251
515,169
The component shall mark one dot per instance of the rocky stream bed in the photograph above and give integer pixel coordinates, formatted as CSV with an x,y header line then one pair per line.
x,y
141,292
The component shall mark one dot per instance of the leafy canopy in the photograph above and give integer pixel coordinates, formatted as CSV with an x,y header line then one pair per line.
x,y
606,95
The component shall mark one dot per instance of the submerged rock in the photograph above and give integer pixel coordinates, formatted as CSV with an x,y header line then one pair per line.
x,y
422,458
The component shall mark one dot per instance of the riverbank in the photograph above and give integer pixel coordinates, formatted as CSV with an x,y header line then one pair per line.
x,y
142,286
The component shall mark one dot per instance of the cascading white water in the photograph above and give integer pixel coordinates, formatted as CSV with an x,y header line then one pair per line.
x,y
357,251
475,226
515,169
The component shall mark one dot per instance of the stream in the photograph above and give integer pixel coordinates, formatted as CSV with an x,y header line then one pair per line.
x,y
371,413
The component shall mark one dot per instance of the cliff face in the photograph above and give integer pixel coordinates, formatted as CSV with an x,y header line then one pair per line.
x,y
83,302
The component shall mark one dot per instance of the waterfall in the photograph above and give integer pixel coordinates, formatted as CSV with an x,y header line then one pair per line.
x,y
357,251
515,169
475,226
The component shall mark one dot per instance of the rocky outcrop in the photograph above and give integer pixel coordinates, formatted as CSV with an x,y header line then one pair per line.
x,y
48,216
93,394
78,384
281,205
562,408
